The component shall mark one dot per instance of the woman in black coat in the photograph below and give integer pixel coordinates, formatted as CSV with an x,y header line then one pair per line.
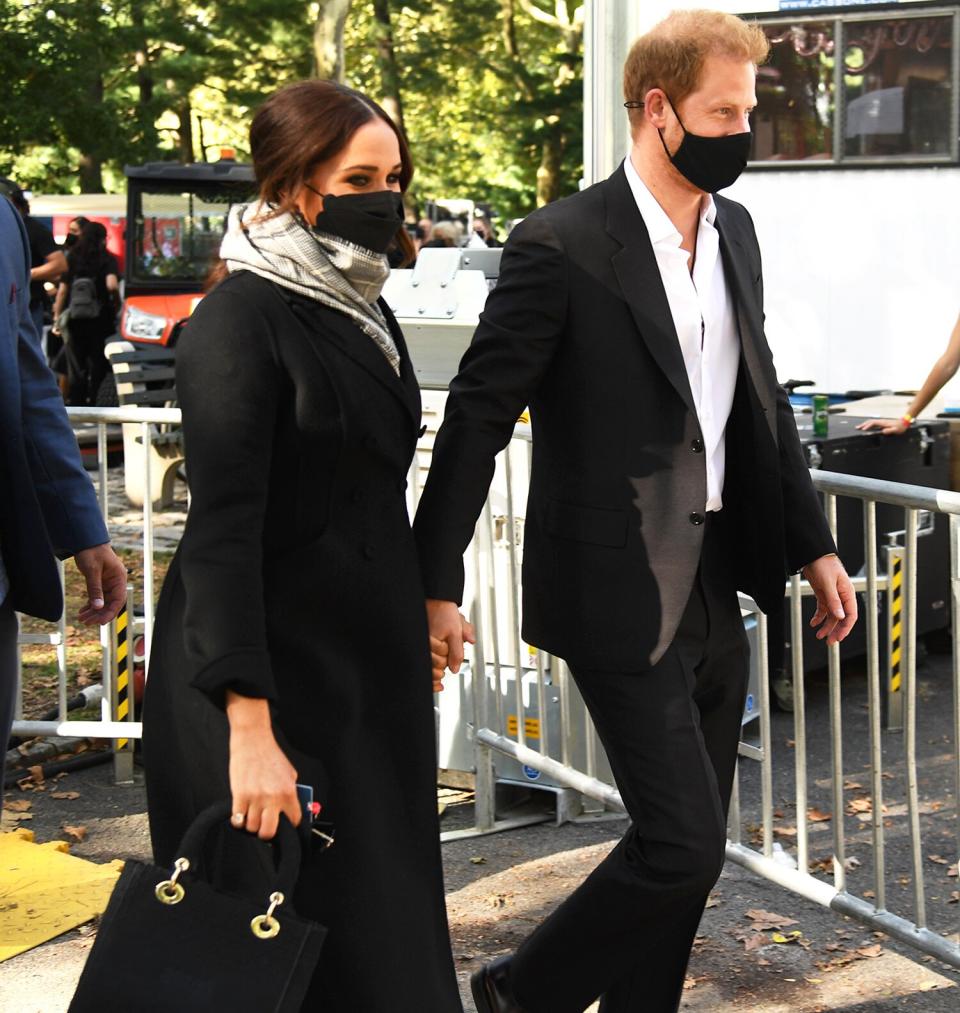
x,y
291,643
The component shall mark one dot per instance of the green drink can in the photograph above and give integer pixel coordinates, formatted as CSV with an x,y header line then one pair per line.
x,y
821,415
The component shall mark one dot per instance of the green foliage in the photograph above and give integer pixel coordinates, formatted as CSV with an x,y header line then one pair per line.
x,y
490,89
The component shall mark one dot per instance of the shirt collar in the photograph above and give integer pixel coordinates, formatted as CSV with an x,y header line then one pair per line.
x,y
657,221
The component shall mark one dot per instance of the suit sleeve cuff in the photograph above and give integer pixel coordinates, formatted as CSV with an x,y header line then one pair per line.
x,y
248,673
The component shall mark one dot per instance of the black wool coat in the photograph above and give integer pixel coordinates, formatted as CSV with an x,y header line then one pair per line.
x,y
297,581
579,328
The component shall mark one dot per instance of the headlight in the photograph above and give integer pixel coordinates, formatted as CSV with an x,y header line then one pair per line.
x,y
145,326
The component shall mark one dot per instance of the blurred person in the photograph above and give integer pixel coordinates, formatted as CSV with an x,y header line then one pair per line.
x,y
48,508
425,225
667,474
90,292
444,234
56,355
944,370
291,642
483,228
47,262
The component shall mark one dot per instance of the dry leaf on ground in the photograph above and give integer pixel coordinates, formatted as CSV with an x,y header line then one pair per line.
x,y
77,833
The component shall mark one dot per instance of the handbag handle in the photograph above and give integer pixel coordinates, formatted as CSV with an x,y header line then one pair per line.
x,y
287,840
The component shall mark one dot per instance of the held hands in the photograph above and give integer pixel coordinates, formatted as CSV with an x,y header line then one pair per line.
x,y
887,427
448,631
263,782
106,578
836,601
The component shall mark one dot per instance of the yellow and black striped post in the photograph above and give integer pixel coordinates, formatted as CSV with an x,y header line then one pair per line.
x,y
893,697
122,704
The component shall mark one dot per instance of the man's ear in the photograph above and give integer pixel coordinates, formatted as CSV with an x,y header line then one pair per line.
x,y
655,106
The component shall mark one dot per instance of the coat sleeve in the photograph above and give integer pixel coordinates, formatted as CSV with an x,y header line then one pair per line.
x,y
513,345
806,532
228,385
68,503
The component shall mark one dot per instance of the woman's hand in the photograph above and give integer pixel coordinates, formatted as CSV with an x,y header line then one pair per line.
x,y
263,782
888,427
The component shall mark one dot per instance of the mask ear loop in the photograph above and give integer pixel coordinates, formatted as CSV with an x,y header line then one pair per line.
x,y
637,104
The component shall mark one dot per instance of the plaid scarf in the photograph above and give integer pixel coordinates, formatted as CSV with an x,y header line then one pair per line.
x,y
341,275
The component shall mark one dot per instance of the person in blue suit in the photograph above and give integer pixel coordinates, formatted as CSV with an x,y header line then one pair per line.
x,y
48,507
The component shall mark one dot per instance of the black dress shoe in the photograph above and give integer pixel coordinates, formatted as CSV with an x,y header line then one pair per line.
x,y
491,988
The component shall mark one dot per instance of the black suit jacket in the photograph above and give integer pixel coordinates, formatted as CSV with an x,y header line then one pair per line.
x,y
579,328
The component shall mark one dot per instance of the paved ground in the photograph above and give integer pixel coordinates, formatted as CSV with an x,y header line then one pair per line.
x,y
501,885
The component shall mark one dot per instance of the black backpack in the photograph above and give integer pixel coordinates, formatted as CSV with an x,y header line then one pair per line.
x,y
84,301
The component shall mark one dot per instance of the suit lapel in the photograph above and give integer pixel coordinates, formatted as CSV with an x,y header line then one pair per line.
x,y
736,269
637,272
325,326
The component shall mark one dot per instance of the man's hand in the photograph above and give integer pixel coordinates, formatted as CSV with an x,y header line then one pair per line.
x,y
106,578
836,601
439,652
448,631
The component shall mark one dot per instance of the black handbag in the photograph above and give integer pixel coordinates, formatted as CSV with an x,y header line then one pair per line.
x,y
170,942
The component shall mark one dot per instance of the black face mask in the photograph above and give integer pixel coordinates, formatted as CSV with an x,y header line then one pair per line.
x,y
709,163
370,220
70,240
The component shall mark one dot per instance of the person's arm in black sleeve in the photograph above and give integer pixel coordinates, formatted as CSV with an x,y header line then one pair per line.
x,y
227,383
499,374
808,543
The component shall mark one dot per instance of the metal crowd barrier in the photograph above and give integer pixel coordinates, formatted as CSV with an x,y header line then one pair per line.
x,y
517,696
560,745
116,720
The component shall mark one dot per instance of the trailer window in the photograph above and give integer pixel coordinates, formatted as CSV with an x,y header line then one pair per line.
x,y
892,98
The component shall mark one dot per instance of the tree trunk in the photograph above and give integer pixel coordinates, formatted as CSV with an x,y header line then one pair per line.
x,y
185,131
548,172
328,54
389,70
90,165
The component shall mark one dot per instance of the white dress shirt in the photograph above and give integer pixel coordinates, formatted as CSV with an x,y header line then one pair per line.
x,y
703,315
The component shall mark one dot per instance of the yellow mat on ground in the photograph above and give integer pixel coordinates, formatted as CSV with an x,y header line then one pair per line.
x,y
45,891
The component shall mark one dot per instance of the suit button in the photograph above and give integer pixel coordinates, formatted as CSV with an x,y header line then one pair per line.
x,y
369,552
696,518
696,446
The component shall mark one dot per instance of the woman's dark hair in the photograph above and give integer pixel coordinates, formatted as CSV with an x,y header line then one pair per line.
x,y
80,220
89,256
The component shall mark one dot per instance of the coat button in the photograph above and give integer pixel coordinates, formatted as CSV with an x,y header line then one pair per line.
x,y
696,446
369,552
696,518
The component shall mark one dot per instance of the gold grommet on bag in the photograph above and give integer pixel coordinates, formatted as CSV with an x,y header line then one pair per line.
x,y
170,891
266,926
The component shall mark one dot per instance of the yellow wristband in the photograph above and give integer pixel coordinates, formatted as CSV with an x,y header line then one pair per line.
x,y
908,418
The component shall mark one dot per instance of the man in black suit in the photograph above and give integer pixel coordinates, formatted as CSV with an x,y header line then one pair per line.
x,y
667,474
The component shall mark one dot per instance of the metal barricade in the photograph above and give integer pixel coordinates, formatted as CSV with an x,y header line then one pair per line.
x,y
116,720
569,757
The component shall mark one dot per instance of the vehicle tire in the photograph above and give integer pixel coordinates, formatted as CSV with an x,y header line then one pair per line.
x,y
107,396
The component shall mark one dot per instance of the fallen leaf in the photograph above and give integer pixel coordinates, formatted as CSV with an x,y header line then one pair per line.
x,y
65,794
870,951
77,833
36,774
764,920
852,863
859,805
817,816
851,786
17,805
954,897
869,894
478,860
785,831
713,900
938,859
689,983
789,937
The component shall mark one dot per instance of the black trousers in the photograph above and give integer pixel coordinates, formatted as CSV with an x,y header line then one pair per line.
x,y
671,734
